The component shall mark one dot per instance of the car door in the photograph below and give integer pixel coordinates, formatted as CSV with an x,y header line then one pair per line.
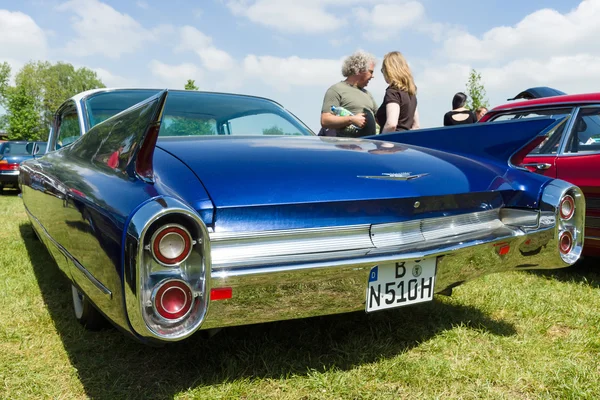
x,y
579,163
542,159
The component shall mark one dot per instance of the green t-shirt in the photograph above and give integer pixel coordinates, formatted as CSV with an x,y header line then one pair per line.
x,y
350,97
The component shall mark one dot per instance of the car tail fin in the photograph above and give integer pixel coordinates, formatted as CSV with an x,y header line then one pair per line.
x,y
125,143
503,142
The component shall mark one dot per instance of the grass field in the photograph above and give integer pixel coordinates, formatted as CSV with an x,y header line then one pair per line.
x,y
506,336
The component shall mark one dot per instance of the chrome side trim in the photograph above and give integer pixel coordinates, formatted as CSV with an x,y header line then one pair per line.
x,y
105,291
592,238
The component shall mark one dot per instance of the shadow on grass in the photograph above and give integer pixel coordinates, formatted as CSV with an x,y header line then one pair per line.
x,y
585,271
110,365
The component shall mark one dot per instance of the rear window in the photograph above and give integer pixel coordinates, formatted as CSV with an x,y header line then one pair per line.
x,y
104,105
192,113
552,143
14,149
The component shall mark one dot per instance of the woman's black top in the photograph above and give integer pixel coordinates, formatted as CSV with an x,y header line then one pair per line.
x,y
407,103
449,121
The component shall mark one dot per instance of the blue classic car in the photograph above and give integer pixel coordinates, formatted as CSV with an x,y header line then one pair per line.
x,y
178,211
12,154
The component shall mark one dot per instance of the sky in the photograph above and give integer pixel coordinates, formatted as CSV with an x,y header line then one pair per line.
x,y
291,51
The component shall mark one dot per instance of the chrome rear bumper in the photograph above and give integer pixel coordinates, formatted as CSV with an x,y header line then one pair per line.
x,y
332,287
307,285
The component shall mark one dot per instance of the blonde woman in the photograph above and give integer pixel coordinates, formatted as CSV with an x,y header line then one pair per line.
x,y
398,112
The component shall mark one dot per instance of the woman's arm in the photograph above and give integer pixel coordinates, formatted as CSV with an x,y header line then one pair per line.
x,y
416,124
392,111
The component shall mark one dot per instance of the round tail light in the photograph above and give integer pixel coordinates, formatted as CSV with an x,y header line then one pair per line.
x,y
567,207
171,244
172,299
565,242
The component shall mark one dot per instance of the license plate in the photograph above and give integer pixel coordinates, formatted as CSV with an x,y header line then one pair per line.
x,y
400,284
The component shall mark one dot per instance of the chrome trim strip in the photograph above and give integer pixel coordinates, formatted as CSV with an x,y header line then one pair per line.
x,y
64,251
260,249
592,238
568,131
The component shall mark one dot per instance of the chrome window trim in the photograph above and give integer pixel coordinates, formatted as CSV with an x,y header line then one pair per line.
x,y
568,132
548,106
568,127
563,153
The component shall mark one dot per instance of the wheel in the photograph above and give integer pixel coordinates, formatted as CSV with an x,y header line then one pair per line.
x,y
1,190
85,312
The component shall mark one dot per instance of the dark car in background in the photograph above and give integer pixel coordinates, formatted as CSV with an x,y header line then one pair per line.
x,y
12,154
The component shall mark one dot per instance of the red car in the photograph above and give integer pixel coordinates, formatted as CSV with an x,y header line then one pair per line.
x,y
571,153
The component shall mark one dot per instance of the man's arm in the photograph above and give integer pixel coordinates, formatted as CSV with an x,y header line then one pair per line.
x,y
331,121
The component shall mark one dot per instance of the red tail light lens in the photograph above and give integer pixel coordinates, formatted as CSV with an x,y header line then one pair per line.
x,y
171,245
565,242
567,207
173,299
6,166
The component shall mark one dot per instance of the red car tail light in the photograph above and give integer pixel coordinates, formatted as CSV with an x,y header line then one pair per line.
x,y
6,166
171,244
172,299
565,242
567,207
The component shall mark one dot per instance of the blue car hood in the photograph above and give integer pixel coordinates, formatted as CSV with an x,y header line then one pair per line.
x,y
252,171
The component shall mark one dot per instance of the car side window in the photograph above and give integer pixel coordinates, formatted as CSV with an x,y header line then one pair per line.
x,y
585,135
262,124
68,128
552,143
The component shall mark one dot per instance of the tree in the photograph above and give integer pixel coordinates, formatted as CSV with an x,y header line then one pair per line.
x,y
40,88
274,130
191,85
476,92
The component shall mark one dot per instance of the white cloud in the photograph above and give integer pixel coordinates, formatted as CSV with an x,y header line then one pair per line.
x,y
21,39
386,20
103,30
111,80
282,73
175,76
542,34
291,16
142,4
212,58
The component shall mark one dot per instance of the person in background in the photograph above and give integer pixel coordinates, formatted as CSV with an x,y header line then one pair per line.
x,y
399,107
460,114
480,112
351,95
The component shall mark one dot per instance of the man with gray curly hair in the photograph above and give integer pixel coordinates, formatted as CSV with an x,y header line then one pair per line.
x,y
348,107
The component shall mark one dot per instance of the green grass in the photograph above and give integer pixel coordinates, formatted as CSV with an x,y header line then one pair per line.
x,y
516,335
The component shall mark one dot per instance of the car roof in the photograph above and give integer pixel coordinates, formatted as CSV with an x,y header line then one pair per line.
x,y
566,99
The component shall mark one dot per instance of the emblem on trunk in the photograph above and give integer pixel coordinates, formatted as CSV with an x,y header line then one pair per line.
x,y
394,176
